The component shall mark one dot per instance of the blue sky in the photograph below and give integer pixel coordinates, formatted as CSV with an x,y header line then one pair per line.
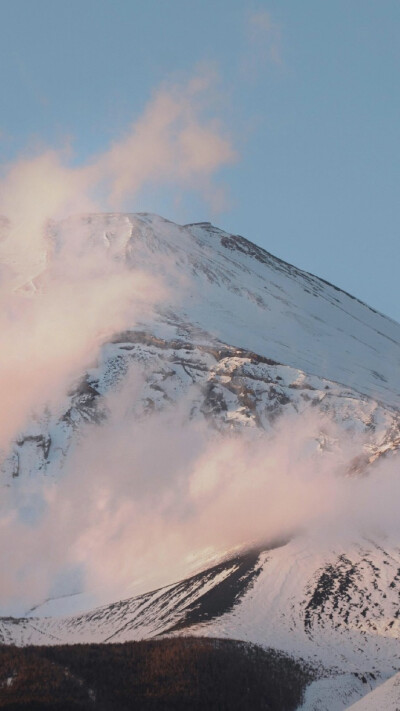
x,y
307,92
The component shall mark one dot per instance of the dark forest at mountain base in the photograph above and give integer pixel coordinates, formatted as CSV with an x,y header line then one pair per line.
x,y
168,674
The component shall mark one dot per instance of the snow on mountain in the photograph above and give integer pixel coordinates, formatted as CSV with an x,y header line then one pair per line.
x,y
243,340
386,696
336,608
230,387
237,316
243,296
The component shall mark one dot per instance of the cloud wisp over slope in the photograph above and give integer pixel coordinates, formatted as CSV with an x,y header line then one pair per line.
x,y
60,300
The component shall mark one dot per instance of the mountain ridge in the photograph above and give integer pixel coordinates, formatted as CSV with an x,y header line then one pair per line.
x,y
280,259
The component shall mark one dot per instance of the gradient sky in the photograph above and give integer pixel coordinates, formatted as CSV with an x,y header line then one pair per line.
x,y
307,91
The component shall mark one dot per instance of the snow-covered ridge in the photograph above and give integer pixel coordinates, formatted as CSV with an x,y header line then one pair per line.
x,y
337,608
246,297
334,606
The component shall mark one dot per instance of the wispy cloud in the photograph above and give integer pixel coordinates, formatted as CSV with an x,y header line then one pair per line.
x,y
48,333
264,41
171,143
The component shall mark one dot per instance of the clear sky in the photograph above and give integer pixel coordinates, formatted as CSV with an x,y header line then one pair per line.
x,y
307,91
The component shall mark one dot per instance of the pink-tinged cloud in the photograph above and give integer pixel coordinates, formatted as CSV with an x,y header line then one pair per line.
x,y
60,299
140,503
172,143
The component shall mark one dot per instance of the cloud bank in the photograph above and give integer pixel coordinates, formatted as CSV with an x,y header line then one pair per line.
x,y
143,503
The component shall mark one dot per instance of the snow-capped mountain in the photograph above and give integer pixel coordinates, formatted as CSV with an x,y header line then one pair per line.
x,y
242,340
242,318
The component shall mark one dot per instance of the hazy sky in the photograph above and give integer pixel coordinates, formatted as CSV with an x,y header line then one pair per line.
x,y
307,92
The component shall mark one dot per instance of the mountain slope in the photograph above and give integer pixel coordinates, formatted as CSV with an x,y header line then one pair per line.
x,y
236,315
241,343
245,297
386,696
337,606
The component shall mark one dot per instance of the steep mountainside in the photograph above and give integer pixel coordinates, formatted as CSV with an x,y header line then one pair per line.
x,y
255,336
241,340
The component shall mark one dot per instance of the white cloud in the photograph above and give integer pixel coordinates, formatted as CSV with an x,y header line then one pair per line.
x,y
48,333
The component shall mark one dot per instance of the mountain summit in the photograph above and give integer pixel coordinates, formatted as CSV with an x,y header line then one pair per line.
x,y
243,296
